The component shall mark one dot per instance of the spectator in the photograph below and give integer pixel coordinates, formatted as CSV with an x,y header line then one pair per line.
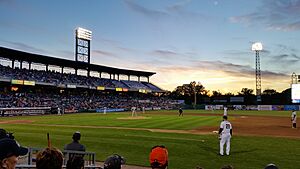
x,y
159,157
271,166
9,153
49,158
3,134
114,162
227,167
75,145
76,162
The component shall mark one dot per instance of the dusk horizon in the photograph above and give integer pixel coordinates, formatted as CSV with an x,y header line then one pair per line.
x,y
182,41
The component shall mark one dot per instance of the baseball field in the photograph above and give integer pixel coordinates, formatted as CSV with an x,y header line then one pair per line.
x,y
259,137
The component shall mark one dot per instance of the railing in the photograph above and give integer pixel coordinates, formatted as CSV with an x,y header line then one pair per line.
x,y
89,159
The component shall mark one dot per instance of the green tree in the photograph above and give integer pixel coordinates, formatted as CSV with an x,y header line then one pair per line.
x,y
269,92
246,92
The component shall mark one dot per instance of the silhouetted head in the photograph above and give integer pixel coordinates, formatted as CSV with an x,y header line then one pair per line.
x,y
76,136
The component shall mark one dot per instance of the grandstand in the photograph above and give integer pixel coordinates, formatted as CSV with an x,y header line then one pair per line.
x,y
27,87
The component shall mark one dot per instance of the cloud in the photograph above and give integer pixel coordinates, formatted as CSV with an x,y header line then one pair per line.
x,y
165,53
236,52
234,69
154,14
286,59
278,15
25,47
174,11
104,53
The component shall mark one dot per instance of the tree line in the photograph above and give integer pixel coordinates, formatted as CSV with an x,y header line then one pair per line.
x,y
196,91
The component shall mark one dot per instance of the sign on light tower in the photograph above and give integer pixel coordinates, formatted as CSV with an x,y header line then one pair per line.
x,y
257,47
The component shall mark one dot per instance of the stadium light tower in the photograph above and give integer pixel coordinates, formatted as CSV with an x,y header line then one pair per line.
x,y
82,45
257,47
195,97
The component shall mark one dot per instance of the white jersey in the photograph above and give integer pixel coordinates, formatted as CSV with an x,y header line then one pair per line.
x,y
225,111
226,126
294,117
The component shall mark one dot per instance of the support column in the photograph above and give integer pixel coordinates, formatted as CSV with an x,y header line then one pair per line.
x,y
13,64
139,79
21,64
29,66
148,79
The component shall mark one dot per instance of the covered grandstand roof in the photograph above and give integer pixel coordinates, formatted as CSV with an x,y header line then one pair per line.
x,y
12,54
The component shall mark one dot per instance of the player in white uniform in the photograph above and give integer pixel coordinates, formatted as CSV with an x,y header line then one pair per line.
x,y
133,111
294,119
225,111
225,133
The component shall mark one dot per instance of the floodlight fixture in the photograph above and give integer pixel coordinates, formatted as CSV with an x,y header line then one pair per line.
x,y
83,39
257,46
84,33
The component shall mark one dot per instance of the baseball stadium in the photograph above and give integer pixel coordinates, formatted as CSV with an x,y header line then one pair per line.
x,y
91,112
37,102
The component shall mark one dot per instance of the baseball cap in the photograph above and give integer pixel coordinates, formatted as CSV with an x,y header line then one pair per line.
x,y
76,135
10,147
271,166
114,162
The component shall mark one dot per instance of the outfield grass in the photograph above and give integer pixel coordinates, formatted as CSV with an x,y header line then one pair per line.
x,y
185,150
230,112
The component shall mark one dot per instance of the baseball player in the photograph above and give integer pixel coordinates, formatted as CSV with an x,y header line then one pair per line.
x,y
225,133
225,111
180,112
133,111
294,119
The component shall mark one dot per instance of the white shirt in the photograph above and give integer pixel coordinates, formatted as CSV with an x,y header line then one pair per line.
x,y
294,117
226,126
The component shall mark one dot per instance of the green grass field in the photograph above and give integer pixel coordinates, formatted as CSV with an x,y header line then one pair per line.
x,y
186,151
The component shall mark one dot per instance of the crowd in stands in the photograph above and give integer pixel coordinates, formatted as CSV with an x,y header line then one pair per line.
x,y
52,158
57,78
83,101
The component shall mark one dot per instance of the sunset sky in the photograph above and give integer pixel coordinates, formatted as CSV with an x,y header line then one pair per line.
x,y
207,41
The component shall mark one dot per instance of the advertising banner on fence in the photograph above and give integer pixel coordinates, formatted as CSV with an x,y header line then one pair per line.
x,y
264,107
291,107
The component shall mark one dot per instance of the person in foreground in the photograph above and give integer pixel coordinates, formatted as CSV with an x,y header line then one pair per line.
x,y
10,150
49,158
114,162
271,166
75,145
159,157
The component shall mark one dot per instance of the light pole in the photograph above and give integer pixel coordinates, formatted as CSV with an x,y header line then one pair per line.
x,y
257,47
194,88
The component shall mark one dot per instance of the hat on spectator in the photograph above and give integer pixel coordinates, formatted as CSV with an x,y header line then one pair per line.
x,y
76,136
10,147
271,166
114,162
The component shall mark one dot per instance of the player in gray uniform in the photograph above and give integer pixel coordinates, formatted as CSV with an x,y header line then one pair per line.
x,y
294,119
225,133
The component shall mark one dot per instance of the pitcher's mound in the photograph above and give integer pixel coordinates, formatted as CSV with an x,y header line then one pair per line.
x,y
134,118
